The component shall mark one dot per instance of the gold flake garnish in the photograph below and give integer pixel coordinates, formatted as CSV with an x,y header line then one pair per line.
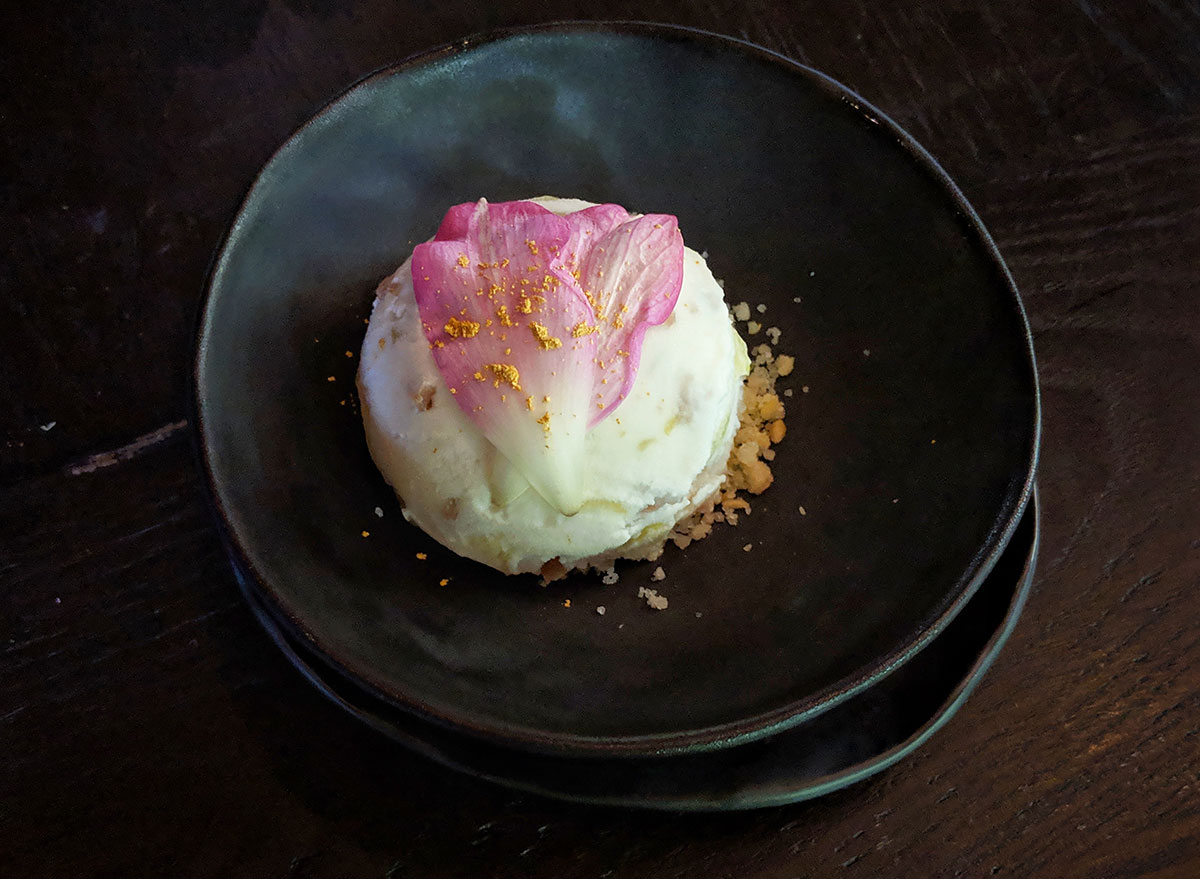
x,y
507,373
532,245
529,403
581,329
463,260
546,341
502,315
461,329
544,421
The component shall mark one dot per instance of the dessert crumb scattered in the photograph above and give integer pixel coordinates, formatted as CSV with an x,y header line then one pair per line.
x,y
753,328
366,534
699,614
804,389
445,581
49,426
748,547
567,603
761,426
741,311
760,308
421,556
788,392
866,352
659,574
803,512
600,609
610,576
379,512
773,333
796,299
653,599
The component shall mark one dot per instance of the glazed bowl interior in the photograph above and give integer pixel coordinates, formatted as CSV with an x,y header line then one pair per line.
x,y
912,426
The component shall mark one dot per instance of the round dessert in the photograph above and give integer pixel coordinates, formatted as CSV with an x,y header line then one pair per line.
x,y
530,432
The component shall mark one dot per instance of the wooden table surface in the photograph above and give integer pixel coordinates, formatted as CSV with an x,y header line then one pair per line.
x,y
148,727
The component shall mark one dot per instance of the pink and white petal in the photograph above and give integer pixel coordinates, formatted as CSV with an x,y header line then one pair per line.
x,y
634,274
498,314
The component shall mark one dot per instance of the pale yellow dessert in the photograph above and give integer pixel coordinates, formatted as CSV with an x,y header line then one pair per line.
x,y
658,458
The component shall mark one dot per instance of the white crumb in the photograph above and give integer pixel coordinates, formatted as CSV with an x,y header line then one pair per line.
x,y
659,574
741,311
653,599
753,327
760,308
379,512
600,610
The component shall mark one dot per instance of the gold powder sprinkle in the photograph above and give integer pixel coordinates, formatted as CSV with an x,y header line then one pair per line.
x,y
461,329
532,245
463,260
544,421
546,341
502,315
529,403
507,373
581,329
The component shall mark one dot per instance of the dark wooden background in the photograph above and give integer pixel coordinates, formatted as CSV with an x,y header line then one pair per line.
x,y
147,725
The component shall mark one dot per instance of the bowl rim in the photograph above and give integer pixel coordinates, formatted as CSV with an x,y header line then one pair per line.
x,y
715,736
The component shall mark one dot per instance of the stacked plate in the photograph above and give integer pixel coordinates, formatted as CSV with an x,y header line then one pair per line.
x,y
889,560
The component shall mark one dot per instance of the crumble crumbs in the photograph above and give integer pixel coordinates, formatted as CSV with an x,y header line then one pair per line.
x,y
653,599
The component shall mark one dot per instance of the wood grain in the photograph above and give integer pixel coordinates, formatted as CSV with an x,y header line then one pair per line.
x,y
148,727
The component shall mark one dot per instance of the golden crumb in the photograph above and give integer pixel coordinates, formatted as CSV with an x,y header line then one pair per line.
x,y
421,556
366,534
761,427
445,581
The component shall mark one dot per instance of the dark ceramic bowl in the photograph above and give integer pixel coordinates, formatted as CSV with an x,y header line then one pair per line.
x,y
855,739
912,452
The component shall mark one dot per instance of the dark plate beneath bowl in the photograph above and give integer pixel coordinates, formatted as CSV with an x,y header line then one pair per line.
x,y
852,741
913,452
